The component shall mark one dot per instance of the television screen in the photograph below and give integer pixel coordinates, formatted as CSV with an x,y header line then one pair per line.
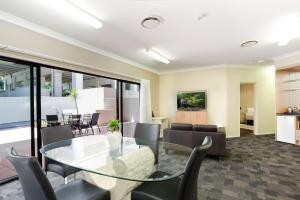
x,y
191,100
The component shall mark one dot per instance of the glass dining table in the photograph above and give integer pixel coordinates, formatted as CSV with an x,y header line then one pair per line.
x,y
130,159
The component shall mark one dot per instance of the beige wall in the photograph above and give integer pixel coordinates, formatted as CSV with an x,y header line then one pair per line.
x,y
21,38
264,100
213,81
223,95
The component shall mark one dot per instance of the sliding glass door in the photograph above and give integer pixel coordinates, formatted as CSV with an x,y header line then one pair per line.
x,y
30,93
66,93
16,130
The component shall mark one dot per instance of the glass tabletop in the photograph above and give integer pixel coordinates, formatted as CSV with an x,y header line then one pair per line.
x,y
129,159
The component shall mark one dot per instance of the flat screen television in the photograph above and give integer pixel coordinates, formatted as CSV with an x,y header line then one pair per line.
x,y
192,101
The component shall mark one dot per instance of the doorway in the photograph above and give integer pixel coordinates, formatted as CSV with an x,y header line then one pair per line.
x,y
247,109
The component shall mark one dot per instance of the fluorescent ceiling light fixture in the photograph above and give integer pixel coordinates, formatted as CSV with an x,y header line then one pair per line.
x,y
157,56
73,9
288,29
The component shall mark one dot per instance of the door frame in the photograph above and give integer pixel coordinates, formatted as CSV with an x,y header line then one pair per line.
x,y
255,130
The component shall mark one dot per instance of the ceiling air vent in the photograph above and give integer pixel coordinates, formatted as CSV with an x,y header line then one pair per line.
x,y
249,43
151,22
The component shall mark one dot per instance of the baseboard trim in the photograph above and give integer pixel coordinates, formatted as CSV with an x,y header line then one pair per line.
x,y
232,136
257,134
267,133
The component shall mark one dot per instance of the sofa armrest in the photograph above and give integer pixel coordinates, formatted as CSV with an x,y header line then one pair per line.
x,y
221,130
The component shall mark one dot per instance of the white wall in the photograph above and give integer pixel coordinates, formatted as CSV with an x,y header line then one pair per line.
x,y
90,100
52,105
223,95
14,109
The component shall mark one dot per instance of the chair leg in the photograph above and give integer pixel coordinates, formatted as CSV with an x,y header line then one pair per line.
x,y
92,130
66,180
99,129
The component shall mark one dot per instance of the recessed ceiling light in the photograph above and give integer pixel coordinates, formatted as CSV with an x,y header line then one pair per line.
x,y
249,43
157,56
151,22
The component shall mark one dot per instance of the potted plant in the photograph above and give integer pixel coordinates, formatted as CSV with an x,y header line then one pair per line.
x,y
113,135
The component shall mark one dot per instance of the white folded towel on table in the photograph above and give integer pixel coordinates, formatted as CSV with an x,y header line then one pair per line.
x,y
137,164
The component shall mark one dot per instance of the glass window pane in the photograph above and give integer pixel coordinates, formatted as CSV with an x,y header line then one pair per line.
x,y
131,108
66,94
15,130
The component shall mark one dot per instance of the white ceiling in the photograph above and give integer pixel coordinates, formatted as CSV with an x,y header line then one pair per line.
x,y
187,42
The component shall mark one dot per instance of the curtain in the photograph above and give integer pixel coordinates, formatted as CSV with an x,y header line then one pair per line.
x,y
145,102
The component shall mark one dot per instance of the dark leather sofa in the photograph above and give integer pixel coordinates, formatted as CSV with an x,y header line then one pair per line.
x,y
193,135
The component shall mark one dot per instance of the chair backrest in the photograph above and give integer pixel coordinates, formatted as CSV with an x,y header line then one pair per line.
x,y
147,131
188,186
34,182
52,118
95,118
66,117
56,134
87,118
75,119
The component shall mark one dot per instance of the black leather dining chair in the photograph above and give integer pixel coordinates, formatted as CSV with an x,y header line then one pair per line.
x,y
56,134
36,186
184,188
148,132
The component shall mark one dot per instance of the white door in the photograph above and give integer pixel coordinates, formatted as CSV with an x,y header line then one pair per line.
x,y
286,129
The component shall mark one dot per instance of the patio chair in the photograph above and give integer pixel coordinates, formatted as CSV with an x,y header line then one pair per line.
x,y
92,123
52,120
85,124
66,118
75,121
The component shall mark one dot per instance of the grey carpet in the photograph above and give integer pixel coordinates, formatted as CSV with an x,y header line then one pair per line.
x,y
255,167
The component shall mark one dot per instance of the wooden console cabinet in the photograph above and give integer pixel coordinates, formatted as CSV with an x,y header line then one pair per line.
x,y
191,117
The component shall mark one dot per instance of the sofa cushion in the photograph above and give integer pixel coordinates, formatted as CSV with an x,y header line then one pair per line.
x,y
181,126
205,128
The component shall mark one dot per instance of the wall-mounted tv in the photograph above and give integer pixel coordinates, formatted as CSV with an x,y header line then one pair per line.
x,y
192,101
